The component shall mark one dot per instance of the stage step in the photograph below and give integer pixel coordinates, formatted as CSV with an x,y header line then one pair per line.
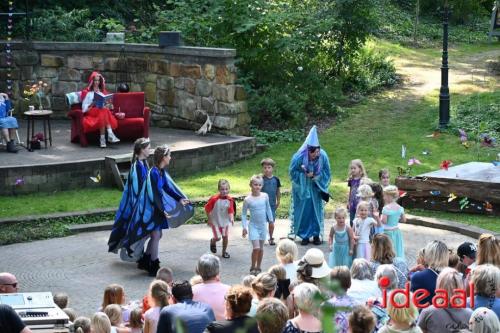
x,y
100,226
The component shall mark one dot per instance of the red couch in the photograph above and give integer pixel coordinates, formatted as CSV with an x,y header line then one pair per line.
x,y
135,124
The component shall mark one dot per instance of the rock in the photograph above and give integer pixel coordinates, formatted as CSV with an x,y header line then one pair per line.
x,y
187,107
27,73
240,93
135,65
190,85
224,93
203,88
48,60
243,119
69,74
80,62
44,72
174,69
224,122
207,104
25,58
164,82
191,71
134,77
59,103
61,88
165,97
110,77
179,83
209,72
160,67
150,92
151,77
112,64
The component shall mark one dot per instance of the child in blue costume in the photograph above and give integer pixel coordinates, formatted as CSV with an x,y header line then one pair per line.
x,y
392,214
309,171
341,241
161,205
136,177
8,124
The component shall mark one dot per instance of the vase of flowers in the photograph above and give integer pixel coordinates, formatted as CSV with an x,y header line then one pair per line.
x,y
38,93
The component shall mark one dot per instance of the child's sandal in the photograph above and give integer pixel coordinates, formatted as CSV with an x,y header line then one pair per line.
x,y
271,241
213,246
226,255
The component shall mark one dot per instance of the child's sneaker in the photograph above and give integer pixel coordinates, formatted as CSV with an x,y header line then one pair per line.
x,y
103,141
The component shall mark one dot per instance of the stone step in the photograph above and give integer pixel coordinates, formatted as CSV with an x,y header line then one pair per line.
x,y
99,226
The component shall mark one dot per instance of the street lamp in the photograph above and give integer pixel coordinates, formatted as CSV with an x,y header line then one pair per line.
x,y
444,91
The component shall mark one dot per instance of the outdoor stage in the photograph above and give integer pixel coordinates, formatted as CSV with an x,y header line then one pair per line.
x,y
68,166
471,187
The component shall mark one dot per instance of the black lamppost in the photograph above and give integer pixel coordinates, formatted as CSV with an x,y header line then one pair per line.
x,y
444,91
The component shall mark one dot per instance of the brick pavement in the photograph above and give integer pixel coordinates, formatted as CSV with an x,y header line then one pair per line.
x,y
81,266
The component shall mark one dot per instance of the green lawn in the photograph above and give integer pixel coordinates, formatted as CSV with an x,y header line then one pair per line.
x,y
374,132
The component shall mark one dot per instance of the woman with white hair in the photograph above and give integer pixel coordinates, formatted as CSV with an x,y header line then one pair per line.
x,y
212,291
483,320
307,320
363,286
436,258
486,279
452,318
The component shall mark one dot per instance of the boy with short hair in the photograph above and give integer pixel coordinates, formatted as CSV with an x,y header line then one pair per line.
x,y
271,187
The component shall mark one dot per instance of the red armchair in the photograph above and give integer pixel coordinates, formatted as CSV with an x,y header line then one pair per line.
x,y
134,125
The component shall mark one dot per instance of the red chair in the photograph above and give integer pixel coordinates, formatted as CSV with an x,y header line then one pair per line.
x,y
135,124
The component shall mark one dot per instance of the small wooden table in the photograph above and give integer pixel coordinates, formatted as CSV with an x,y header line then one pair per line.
x,y
43,115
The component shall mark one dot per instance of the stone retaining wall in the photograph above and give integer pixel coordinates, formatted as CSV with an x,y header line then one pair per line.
x,y
181,84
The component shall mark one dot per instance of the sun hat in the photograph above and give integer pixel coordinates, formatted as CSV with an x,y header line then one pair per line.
x,y
316,259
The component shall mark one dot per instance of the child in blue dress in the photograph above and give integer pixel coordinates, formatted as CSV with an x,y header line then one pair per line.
x,y
260,214
392,214
343,247
8,124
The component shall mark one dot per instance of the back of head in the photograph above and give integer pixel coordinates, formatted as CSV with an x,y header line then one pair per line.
x,y
113,294
239,299
61,300
436,255
449,279
389,272
182,290
114,313
278,271
165,274
272,316
402,314
287,251
488,251
247,281
361,269
81,325
160,292
135,319
486,279
195,279
361,319
159,153
264,284
71,313
208,267
100,323
304,297
484,320
365,192
391,191
342,275
382,249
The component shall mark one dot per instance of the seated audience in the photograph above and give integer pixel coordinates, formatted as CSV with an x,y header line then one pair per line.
x,y
81,325
307,319
166,275
420,265
8,124
247,281
313,267
486,279
437,319
263,286
61,300
114,294
488,251
436,258
211,291
287,254
484,320
402,318
71,313
8,283
10,322
238,303
135,322
341,276
271,316
100,323
159,295
361,320
193,316
383,254
114,313
363,286
283,284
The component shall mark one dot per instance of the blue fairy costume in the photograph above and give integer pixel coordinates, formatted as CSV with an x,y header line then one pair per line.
x,y
135,180
308,194
6,121
391,229
340,252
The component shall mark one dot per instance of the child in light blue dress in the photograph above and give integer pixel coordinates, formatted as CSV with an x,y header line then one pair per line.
x,y
392,215
343,246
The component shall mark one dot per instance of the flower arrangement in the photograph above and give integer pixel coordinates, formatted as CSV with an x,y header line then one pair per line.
x,y
39,92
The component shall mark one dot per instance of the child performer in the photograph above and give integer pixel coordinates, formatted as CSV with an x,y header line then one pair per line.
x,y
260,214
362,226
271,187
220,212
356,172
384,177
365,193
343,247
161,205
136,177
392,214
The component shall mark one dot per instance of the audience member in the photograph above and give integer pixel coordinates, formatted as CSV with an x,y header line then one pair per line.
x,y
271,316
71,313
192,316
247,281
488,251
436,258
443,319
341,276
114,313
159,294
283,284
238,303
100,323
165,274
211,291
383,254
420,265
363,286
61,300
484,320
135,323
290,303
10,322
287,254
312,267
307,320
114,294
486,279
195,279
263,286
402,318
361,320
81,325
8,283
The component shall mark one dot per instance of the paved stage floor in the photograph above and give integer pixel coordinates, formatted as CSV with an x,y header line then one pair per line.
x,y
81,266
63,150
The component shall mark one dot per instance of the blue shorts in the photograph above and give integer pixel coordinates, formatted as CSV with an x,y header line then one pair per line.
x,y
257,232
273,210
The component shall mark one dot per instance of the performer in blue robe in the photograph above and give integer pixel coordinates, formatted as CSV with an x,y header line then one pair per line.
x,y
8,124
161,205
136,177
309,171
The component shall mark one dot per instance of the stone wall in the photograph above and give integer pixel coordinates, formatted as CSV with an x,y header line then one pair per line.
x,y
181,84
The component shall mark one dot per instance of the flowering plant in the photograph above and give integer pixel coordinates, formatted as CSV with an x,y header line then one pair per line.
x,y
38,91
